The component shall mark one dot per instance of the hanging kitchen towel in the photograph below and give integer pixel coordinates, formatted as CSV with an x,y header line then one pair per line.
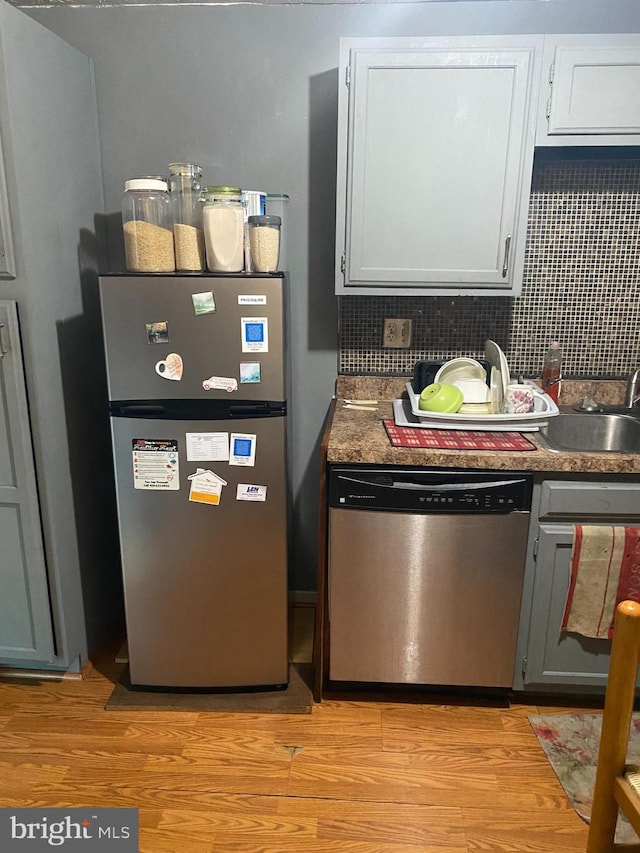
x,y
605,570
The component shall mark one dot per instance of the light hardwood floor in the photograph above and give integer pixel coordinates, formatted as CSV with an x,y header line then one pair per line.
x,y
351,777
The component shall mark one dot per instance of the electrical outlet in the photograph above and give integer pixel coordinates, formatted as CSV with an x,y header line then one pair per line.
x,y
396,334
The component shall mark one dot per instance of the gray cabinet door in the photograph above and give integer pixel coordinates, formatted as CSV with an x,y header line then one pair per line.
x,y
25,618
435,158
554,657
593,94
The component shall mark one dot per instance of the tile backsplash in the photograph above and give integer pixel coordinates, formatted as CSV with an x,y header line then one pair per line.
x,y
581,285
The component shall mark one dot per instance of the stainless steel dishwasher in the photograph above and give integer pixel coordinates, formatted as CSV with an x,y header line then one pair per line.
x,y
425,574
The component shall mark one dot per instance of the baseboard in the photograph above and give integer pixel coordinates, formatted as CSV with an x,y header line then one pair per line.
x,y
11,672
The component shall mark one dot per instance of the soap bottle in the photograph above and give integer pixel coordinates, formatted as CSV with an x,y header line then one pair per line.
x,y
552,371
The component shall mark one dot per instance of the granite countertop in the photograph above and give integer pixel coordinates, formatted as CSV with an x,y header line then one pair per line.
x,y
357,435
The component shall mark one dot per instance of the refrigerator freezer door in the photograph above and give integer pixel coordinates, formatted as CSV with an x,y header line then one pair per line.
x,y
205,582
194,337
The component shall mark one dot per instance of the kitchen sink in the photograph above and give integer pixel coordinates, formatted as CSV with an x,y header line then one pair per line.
x,y
592,433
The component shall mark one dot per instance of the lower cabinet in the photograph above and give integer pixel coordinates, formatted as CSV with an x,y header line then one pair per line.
x,y
547,659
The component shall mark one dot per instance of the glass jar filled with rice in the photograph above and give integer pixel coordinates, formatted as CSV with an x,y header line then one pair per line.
x,y
264,238
147,225
185,181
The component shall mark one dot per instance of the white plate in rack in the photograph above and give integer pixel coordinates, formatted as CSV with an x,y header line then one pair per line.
x,y
530,422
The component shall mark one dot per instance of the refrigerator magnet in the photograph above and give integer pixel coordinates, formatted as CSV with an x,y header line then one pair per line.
x,y
206,487
203,303
243,449
249,492
255,334
251,299
220,383
157,333
170,367
249,372
155,463
207,446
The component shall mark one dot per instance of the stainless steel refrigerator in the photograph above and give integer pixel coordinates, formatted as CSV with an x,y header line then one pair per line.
x,y
198,403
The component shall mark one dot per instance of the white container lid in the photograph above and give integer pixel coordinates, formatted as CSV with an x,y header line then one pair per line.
x,y
146,184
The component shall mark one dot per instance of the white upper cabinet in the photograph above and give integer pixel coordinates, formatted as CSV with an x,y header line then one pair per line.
x,y
591,91
435,153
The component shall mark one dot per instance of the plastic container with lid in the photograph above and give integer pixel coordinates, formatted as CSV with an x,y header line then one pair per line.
x,y
277,204
185,184
147,226
264,238
254,203
223,224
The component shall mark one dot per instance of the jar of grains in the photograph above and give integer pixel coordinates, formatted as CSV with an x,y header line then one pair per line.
x,y
223,224
184,185
264,237
146,222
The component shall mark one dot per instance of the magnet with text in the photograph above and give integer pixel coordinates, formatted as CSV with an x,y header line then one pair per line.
x,y
255,334
220,383
203,303
242,450
207,446
250,492
206,487
171,367
157,333
251,299
249,372
155,464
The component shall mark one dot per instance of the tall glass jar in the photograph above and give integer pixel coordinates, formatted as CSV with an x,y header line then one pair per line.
x,y
147,226
264,239
185,184
223,222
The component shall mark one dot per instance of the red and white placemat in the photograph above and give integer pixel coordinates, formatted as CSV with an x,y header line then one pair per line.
x,y
447,439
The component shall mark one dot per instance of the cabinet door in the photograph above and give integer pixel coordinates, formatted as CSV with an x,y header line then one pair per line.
x,y
25,618
593,95
434,168
553,657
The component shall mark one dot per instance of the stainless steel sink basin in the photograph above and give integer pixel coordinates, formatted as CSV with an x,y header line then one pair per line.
x,y
592,433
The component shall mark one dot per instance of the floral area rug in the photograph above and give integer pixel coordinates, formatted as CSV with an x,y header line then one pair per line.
x,y
570,742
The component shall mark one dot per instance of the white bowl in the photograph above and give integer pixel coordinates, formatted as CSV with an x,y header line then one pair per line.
x,y
458,369
473,390
475,409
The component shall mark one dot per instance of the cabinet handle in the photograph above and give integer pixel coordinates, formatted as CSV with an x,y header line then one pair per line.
x,y
505,262
2,352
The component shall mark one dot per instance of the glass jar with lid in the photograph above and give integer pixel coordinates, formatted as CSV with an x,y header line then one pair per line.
x,y
223,223
147,226
264,239
185,184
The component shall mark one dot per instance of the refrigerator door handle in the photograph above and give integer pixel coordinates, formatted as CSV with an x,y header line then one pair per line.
x,y
142,411
249,410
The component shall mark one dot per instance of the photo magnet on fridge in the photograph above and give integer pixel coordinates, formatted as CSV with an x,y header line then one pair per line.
x,y
249,372
157,333
203,303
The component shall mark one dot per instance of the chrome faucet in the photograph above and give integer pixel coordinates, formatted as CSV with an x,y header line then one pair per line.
x,y
632,394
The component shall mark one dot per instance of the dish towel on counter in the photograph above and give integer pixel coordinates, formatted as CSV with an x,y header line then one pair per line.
x,y
448,439
605,570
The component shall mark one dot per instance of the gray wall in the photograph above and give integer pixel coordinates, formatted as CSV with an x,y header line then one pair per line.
x,y
250,92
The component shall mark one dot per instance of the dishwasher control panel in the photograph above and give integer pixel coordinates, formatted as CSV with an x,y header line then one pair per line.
x,y
425,490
